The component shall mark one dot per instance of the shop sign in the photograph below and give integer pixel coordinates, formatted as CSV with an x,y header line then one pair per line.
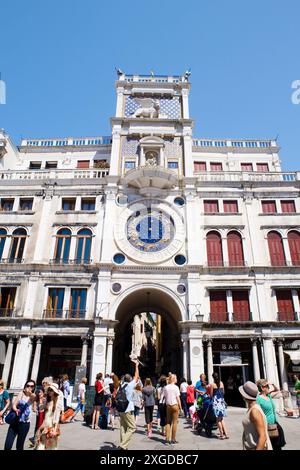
x,y
230,347
65,351
230,358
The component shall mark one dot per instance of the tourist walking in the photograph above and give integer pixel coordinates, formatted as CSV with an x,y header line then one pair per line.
x,y
4,401
40,414
266,403
255,433
162,407
137,401
173,404
49,431
125,405
46,382
113,389
98,400
65,389
219,405
23,404
149,402
296,380
190,395
202,389
80,398
183,396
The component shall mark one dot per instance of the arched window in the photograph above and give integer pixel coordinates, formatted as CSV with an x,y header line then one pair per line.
x,y
17,245
276,249
84,244
214,249
294,244
62,248
235,249
3,235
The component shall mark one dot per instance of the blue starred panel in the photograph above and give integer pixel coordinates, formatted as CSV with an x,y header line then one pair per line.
x,y
169,107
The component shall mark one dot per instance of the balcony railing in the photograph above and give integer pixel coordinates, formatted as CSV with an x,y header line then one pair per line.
x,y
284,316
69,141
230,317
87,173
227,264
211,176
69,314
70,261
217,143
7,312
11,260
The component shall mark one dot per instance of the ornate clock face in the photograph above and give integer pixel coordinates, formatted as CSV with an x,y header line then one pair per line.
x,y
150,230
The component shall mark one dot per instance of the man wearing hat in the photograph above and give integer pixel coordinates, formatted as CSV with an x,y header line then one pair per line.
x,y
255,435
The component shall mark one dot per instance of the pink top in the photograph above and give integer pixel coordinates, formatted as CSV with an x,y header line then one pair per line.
x,y
170,392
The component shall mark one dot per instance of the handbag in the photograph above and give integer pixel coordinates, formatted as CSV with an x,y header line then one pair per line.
x,y
11,417
273,430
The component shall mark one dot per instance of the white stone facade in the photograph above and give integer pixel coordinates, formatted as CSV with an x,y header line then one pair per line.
x,y
90,188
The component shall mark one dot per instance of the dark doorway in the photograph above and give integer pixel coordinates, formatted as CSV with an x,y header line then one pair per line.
x,y
232,377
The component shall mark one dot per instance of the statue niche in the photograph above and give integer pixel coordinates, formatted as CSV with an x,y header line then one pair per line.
x,y
149,108
151,159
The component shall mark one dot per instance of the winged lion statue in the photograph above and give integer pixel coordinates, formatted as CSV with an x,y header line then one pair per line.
x,y
149,108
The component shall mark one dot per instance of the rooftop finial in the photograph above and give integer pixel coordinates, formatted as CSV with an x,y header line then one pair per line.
x,y
187,74
119,72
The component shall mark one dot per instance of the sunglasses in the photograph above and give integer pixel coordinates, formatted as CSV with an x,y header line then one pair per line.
x,y
30,385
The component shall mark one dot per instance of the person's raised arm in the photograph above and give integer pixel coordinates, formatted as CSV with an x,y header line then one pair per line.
x,y
136,372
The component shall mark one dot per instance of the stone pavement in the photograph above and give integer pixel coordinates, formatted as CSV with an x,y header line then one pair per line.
x,y
77,436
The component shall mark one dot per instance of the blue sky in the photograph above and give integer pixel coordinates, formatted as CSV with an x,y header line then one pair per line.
x,y
58,61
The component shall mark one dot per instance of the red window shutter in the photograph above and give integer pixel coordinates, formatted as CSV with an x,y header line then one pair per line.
x,y
214,249
294,244
218,306
268,207
231,207
216,167
211,207
83,164
241,308
285,305
235,249
246,167
276,249
262,167
288,206
199,166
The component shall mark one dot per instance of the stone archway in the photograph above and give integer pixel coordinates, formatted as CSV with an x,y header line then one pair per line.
x,y
162,351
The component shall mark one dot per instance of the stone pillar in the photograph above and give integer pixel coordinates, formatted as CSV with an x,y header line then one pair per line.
x,y
73,246
256,369
109,354
210,362
283,375
296,304
115,150
197,358
84,351
187,148
225,250
108,249
185,368
229,305
98,355
270,361
8,357
36,360
21,362
286,249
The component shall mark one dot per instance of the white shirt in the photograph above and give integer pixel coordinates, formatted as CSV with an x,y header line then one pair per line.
x,y
81,391
171,392
183,387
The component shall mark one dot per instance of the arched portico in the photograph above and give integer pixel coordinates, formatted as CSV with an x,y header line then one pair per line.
x,y
164,351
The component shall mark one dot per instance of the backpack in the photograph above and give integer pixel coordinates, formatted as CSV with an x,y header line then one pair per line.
x,y
102,423
121,399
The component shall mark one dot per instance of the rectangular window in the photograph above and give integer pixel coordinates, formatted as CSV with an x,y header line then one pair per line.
x,y
83,164
55,303
129,165
199,166
173,165
241,308
35,165
7,205
7,301
216,167
77,303
246,167
51,165
231,207
26,204
68,204
285,305
268,207
288,206
211,207
218,306
262,167
88,204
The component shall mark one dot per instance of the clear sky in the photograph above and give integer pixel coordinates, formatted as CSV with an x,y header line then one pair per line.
x,y
58,61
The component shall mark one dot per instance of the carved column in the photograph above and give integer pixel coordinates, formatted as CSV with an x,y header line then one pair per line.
x,y
210,362
109,354
8,357
256,369
37,357
283,375
84,351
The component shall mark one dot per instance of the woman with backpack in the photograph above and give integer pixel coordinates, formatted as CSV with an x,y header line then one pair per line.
x,y
149,402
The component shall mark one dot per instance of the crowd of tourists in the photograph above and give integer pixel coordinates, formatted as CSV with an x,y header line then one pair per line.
x,y
203,405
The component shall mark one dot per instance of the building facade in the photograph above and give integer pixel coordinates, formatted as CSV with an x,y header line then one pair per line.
x,y
204,233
